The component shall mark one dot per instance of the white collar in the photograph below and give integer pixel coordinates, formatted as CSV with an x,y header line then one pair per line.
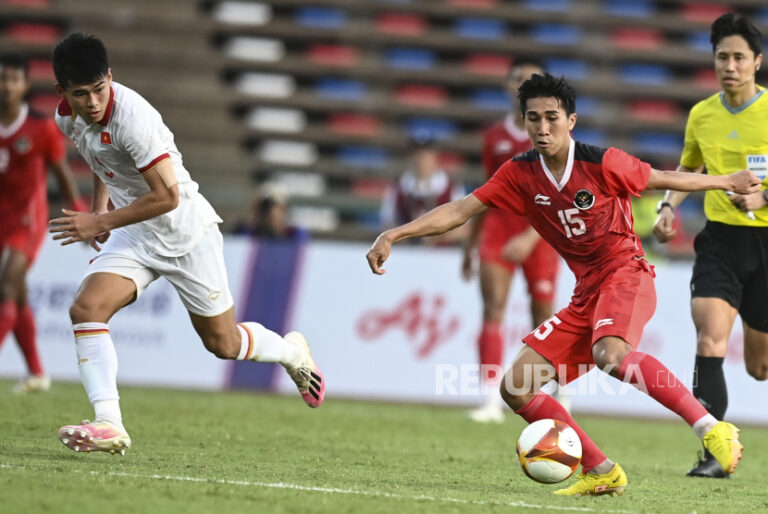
x,y
568,167
11,129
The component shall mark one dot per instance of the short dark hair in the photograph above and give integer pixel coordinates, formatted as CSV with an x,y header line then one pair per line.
x,y
15,60
547,86
79,59
732,24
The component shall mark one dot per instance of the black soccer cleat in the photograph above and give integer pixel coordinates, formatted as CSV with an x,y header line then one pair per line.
x,y
708,467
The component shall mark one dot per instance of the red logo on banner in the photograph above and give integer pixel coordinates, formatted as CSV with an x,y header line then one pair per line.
x,y
423,320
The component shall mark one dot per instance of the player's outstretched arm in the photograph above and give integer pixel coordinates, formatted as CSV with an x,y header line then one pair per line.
x,y
437,221
744,181
664,227
162,197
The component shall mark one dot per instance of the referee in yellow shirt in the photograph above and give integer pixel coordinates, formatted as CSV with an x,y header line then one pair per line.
x,y
727,132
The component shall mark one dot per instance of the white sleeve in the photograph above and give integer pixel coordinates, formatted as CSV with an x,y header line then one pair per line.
x,y
142,138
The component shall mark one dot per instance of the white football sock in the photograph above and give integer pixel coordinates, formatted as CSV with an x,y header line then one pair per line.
x,y
704,425
97,364
262,345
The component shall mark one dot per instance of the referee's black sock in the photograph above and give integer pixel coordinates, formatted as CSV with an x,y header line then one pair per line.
x,y
709,385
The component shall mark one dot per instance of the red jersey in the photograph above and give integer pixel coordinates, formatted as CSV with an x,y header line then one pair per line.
x,y
586,217
26,147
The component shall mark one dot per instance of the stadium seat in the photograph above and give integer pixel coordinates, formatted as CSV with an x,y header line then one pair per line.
x,y
321,17
333,55
658,143
487,64
242,13
587,106
341,89
362,156
475,4
40,69
490,99
272,119
700,41
480,28
255,49
295,153
369,187
354,124
31,4
629,8
647,74
272,85
556,34
33,33
421,95
572,69
438,128
548,5
410,58
401,24
640,39
452,162
706,78
656,110
761,15
590,136
702,12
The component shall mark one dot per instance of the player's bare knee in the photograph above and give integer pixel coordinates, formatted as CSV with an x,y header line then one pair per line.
x,y
708,345
82,311
608,355
512,396
221,345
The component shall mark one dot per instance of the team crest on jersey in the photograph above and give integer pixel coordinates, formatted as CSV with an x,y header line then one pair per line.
x,y
584,199
106,138
22,145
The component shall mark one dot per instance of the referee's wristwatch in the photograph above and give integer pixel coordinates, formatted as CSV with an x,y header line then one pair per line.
x,y
662,204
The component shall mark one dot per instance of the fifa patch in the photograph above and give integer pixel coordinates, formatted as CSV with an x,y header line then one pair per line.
x,y
583,199
22,145
106,139
758,164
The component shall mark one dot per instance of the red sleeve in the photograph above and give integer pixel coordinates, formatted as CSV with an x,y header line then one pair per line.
x,y
501,190
624,173
54,145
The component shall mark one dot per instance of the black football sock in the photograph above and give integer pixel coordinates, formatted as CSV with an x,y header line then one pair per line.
x,y
709,385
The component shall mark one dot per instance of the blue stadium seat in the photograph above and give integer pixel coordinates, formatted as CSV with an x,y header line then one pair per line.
x,y
322,17
548,5
362,156
762,16
491,99
659,143
410,58
480,28
637,8
573,69
341,89
587,106
590,136
438,128
648,74
556,33
700,41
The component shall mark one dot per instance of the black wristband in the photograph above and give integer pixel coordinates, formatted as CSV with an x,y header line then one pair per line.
x,y
661,205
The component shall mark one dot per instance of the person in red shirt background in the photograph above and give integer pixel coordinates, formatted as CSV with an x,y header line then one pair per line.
x,y
28,143
506,241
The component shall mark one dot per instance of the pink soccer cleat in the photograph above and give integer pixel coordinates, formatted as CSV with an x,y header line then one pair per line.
x,y
308,377
99,436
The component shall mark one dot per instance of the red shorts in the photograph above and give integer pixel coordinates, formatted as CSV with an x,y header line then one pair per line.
x,y
27,234
540,268
621,307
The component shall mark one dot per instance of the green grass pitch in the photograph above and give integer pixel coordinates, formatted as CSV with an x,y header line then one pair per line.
x,y
242,452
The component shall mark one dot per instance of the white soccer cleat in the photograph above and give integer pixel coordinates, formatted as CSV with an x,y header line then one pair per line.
x,y
491,412
99,436
307,376
33,384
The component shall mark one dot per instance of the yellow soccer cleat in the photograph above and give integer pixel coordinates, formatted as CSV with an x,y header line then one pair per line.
x,y
593,484
723,443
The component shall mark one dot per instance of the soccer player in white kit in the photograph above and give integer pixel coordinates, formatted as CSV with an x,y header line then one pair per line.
x,y
160,226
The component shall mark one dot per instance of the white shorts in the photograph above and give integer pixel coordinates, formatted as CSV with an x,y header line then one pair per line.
x,y
199,277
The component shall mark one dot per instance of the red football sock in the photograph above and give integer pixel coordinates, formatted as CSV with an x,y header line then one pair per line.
x,y
24,330
653,378
491,346
543,406
8,314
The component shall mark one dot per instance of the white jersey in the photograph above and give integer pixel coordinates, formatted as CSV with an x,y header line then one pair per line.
x,y
130,139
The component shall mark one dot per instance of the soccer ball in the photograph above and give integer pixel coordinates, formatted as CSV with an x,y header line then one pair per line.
x,y
549,451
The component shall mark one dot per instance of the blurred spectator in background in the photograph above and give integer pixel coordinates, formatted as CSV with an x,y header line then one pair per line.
x,y
423,186
268,217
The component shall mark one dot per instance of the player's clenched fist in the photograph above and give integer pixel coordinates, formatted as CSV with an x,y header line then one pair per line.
x,y
379,253
745,182
664,228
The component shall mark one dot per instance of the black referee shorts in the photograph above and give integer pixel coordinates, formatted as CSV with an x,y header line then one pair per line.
x,y
732,264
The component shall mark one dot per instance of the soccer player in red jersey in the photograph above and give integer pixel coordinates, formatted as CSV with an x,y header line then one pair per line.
x,y
28,143
507,241
577,197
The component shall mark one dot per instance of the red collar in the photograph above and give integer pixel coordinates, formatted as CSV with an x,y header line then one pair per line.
x,y
108,112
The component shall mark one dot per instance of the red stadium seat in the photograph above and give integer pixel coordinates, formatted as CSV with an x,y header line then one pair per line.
x,y
369,187
421,95
452,162
40,69
488,64
643,39
706,13
659,110
477,4
707,79
35,33
333,55
354,124
32,4
401,24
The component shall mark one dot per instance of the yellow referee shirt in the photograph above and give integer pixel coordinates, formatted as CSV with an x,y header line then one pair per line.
x,y
728,140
